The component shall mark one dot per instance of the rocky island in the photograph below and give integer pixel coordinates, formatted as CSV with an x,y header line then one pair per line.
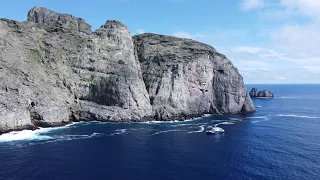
x,y
55,70
261,94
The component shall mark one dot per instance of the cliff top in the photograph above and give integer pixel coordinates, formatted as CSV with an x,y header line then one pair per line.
x,y
46,17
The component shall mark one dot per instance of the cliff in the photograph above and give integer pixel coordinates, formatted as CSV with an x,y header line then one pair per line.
x,y
54,70
184,77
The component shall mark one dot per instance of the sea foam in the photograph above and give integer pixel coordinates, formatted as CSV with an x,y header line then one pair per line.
x,y
199,131
24,135
298,116
223,123
160,132
39,134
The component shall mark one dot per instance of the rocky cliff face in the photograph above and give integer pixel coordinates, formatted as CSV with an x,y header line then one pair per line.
x,y
54,70
185,77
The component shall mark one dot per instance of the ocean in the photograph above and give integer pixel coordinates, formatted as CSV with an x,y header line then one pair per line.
x,y
280,141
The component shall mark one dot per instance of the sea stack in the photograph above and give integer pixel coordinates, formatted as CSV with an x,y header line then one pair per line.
x,y
54,70
261,94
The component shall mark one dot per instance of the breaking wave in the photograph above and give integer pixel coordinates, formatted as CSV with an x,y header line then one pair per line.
x,y
42,134
24,135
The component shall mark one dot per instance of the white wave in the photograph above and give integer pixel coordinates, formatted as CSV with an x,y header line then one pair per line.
x,y
207,115
197,124
257,121
257,117
75,137
119,131
199,131
218,120
160,132
67,138
39,134
136,129
176,121
223,123
298,116
283,97
235,119
158,122
23,135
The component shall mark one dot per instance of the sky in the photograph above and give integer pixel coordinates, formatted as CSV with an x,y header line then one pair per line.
x,y
269,41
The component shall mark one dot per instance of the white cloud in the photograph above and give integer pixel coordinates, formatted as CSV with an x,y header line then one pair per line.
x,y
287,53
264,69
290,46
311,69
140,31
258,52
251,4
297,37
281,78
183,34
308,8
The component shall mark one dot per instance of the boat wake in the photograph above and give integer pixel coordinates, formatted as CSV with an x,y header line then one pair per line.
x,y
201,130
161,132
178,125
223,123
119,131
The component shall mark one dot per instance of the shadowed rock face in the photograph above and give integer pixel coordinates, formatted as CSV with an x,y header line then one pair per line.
x,y
54,70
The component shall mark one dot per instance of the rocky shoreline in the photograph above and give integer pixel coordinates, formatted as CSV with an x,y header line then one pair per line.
x,y
36,126
55,70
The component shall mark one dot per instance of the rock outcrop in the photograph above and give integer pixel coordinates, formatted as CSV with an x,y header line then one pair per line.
x,y
185,77
261,94
253,92
54,70
265,93
46,17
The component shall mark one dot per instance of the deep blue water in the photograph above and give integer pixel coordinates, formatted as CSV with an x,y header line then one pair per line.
x,y
280,141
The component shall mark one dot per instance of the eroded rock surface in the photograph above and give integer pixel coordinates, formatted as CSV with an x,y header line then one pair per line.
x,y
186,77
54,70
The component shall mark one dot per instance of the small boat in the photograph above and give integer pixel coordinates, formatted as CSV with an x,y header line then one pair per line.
x,y
209,132
258,106
215,130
